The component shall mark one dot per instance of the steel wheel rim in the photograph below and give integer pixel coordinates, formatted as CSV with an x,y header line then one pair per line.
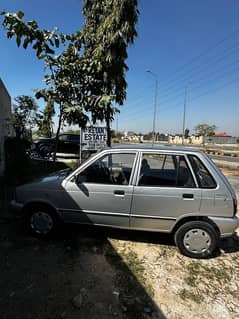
x,y
197,241
41,222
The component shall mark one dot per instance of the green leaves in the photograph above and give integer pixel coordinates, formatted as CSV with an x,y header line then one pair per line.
x,y
110,26
25,114
20,14
88,75
26,33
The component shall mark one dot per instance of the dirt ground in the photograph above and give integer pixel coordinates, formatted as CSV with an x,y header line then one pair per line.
x,y
101,273
77,275
87,272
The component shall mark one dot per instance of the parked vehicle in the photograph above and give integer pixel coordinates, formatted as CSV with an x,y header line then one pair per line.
x,y
161,189
67,143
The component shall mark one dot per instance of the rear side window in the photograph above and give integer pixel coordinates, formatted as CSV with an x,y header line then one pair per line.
x,y
204,178
165,170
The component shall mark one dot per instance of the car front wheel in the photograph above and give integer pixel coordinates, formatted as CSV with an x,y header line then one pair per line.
x,y
42,221
196,239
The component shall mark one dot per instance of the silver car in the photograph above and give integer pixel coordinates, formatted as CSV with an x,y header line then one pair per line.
x,y
161,189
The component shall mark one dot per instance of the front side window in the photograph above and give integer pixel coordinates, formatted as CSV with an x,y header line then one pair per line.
x,y
109,169
164,170
204,178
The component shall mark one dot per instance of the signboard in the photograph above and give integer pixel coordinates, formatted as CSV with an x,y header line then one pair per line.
x,y
93,138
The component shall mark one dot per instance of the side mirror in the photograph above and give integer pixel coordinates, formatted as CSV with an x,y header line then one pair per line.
x,y
79,179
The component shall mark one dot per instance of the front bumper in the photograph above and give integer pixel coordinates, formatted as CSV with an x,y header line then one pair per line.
x,y
16,207
227,226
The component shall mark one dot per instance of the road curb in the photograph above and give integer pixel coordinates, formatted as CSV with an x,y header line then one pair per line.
x,y
221,153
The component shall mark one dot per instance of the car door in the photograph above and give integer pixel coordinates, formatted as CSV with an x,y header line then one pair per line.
x,y
165,190
102,192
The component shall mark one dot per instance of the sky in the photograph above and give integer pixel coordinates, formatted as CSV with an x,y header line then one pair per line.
x,y
191,46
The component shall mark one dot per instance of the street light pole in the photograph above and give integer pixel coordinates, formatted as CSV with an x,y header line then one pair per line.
x,y
155,103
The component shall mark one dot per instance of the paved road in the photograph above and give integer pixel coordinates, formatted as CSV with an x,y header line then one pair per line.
x,y
219,147
234,180
225,158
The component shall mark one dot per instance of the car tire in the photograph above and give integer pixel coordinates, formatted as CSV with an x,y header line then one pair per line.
x,y
196,239
41,221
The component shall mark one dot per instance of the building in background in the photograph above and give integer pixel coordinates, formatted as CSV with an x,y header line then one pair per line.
x,y
221,138
6,128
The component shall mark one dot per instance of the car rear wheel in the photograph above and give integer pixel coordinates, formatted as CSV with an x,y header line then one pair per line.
x,y
196,239
42,222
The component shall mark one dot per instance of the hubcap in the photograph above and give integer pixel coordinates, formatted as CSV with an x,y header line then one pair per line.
x,y
197,241
41,222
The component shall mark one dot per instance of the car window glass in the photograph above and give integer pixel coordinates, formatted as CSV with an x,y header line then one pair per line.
x,y
204,178
110,169
74,138
165,171
63,138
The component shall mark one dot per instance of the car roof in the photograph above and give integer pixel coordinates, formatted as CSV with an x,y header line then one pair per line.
x,y
183,149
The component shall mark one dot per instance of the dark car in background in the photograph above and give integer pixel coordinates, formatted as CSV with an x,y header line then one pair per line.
x,y
67,143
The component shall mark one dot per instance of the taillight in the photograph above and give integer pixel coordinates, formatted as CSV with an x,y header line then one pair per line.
x,y
234,206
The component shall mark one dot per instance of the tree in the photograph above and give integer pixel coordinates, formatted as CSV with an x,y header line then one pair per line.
x,y
108,30
205,129
25,115
89,73
67,87
45,121
148,136
116,134
186,133
64,75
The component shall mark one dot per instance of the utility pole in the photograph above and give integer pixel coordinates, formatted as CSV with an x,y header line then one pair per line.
x,y
155,103
117,118
184,112
184,108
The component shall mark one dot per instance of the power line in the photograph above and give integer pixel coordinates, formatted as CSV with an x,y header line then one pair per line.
x,y
216,89
204,79
192,99
193,70
203,53
198,70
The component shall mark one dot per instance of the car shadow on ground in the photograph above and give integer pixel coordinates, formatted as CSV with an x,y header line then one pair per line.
x,y
76,274
230,244
226,245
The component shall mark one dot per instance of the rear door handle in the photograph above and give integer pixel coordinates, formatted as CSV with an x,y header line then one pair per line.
x,y
188,196
119,192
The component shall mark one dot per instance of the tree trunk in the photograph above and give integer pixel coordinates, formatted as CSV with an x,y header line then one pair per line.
x,y
57,133
108,129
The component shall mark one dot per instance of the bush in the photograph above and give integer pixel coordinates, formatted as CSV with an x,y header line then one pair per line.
x,y
17,160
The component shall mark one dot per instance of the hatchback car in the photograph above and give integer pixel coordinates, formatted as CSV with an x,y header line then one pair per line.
x,y
161,189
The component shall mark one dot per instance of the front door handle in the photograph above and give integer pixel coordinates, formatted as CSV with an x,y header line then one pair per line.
x,y
119,192
190,196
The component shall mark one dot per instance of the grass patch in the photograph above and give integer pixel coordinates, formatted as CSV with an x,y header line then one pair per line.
x,y
167,251
186,294
193,274
216,274
203,281
198,272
